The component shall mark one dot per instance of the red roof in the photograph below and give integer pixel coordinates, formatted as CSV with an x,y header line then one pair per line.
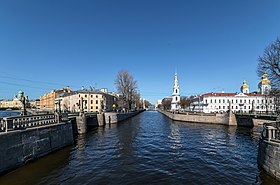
x,y
227,94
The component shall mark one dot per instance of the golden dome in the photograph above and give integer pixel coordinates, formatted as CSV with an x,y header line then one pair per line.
x,y
244,85
264,80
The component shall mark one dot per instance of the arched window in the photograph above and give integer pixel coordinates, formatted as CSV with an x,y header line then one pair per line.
x,y
176,91
176,98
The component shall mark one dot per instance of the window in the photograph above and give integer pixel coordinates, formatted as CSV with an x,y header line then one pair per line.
x,y
176,90
244,107
96,96
215,101
211,100
244,101
231,101
240,101
96,107
262,101
91,96
249,101
85,96
85,101
223,107
205,101
223,101
236,107
236,101
91,107
91,101
249,107
270,101
96,101
219,101
176,98
219,107
232,107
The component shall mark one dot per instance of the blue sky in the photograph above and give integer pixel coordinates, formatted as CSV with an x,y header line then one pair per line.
x,y
214,45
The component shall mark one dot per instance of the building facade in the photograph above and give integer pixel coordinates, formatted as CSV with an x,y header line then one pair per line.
x,y
87,100
237,102
176,94
47,101
15,103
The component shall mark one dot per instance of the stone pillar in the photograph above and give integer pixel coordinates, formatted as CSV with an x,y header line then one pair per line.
x,y
231,117
82,123
100,119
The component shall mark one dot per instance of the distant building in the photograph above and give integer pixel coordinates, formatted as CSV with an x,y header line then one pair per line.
x,y
35,103
87,100
47,100
176,94
15,103
236,102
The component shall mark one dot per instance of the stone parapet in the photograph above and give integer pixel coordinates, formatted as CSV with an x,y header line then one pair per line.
x,y
20,146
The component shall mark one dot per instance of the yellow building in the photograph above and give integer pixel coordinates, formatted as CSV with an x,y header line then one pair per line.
x,y
47,100
87,100
12,104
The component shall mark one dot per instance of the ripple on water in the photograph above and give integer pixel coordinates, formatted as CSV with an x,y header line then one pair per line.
x,y
151,149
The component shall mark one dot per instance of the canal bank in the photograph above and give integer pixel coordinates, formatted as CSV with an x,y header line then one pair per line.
x,y
21,146
228,119
269,151
210,118
84,122
151,149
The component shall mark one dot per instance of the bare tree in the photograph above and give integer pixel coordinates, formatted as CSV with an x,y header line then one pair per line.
x,y
126,86
166,103
270,63
185,102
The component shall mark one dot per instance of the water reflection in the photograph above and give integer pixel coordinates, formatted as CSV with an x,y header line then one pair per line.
x,y
174,136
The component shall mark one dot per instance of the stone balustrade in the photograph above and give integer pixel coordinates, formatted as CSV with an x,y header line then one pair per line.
x,y
271,131
22,122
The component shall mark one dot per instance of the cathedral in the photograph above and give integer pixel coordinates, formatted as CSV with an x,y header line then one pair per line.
x,y
244,101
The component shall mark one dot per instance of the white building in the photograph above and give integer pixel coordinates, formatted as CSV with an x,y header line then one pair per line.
x,y
176,94
236,102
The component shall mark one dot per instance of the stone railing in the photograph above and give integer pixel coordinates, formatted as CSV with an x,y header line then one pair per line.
x,y
22,122
271,131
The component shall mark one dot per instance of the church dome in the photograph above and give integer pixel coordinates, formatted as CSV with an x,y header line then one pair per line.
x,y
264,80
20,94
244,85
244,88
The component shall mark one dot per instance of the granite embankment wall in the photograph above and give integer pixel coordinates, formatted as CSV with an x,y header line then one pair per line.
x,y
20,146
222,119
229,119
85,122
111,117
269,151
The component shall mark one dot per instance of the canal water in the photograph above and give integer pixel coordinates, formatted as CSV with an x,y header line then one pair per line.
x,y
9,113
151,149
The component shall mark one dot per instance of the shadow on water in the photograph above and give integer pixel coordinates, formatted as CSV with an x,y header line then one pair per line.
x,y
33,172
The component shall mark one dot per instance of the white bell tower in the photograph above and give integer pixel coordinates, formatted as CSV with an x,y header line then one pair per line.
x,y
176,94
